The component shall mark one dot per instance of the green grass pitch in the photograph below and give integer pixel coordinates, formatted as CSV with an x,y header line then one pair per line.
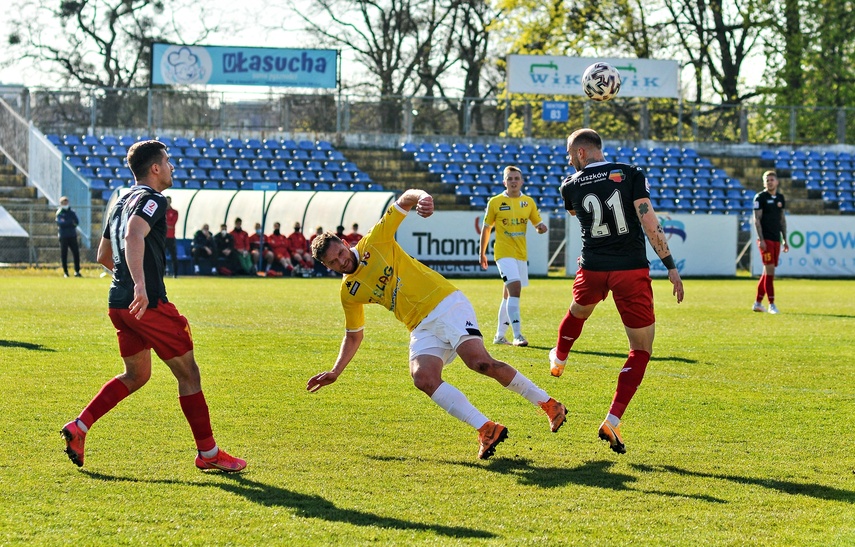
x,y
741,433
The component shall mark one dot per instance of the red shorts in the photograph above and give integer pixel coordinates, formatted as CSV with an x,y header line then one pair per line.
x,y
162,329
631,290
773,251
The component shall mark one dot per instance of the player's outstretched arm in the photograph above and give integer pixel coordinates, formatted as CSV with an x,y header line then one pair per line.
x,y
656,236
421,200
349,346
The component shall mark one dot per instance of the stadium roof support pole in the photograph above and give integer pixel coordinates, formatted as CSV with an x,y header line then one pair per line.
x,y
148,114
93,111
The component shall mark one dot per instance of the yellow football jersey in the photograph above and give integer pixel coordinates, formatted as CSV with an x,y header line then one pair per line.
x,y
388,276
509,217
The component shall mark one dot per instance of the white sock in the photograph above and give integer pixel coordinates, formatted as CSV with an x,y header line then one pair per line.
x,y
81,426
504,320
612,419
210,453
453,401
514,314
525,387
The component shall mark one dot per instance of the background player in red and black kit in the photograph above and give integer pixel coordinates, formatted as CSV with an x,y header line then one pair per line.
x,y
133,247
612,202
771,225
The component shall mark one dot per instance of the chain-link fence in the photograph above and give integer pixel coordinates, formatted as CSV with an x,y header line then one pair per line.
x,y
37,241
144,111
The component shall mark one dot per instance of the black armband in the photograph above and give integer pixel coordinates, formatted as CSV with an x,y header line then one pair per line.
x,y
668,262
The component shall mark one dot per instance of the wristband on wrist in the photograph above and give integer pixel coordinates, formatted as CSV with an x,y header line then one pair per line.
x,y
668,262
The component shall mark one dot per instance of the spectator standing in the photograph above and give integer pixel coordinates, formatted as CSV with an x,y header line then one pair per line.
x,y
771,225
241,246
133,247
612,202
354,236
440,319
510,212
259,250
280,246
204,251
171,243
301,258
67,221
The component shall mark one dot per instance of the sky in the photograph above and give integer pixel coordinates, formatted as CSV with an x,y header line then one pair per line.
x,y
246,32
243,33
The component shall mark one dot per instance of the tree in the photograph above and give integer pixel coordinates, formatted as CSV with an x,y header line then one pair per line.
x,y
100,43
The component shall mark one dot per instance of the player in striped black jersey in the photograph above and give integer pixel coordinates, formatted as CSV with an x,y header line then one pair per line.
x,y
770,222
133,246
440,319
612,203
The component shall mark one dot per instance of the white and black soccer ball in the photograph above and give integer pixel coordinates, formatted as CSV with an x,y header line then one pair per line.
x,y
601,81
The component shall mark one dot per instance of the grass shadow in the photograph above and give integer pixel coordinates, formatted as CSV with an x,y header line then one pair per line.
x,y
24,345
817,491
833,315
595,474
304,505
616,355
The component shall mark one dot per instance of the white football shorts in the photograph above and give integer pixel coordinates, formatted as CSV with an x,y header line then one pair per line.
x,y
450,324
512,270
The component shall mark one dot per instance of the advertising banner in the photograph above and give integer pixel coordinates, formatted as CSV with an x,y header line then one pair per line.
x,y
449,242
702,245
554,75
175,64
820,246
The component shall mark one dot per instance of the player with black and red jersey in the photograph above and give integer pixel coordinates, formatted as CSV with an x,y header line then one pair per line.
x,y
771,226
133,247
612,202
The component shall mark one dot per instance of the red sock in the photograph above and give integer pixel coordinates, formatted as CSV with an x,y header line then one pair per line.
x,y
770,288
110,395
761,287
568,331
196,411
628,380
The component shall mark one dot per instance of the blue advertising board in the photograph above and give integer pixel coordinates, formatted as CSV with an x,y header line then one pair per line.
x,y
556,111
175,64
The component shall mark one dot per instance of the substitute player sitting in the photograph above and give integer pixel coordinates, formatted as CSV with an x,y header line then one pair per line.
x,y
441,320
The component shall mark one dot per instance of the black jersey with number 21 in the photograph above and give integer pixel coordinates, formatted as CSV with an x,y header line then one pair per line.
x,y
603,196
149,205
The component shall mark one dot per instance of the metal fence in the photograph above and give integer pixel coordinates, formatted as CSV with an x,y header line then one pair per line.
x,y
171,111
40,246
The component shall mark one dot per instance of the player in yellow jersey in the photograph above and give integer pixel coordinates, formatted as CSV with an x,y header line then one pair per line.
x,y
510,212
441,320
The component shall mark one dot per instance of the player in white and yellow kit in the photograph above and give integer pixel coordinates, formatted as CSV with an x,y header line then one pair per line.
x,y
510,212
441,320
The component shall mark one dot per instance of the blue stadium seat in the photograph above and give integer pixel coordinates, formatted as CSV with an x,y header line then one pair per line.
x,y
358,187
285,185
231,185
375,187
340,187
409,148
272,144
193,184
308,176
477,202
322,187
362,177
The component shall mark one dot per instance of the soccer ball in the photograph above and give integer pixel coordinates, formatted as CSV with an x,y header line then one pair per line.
x,y
601,81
